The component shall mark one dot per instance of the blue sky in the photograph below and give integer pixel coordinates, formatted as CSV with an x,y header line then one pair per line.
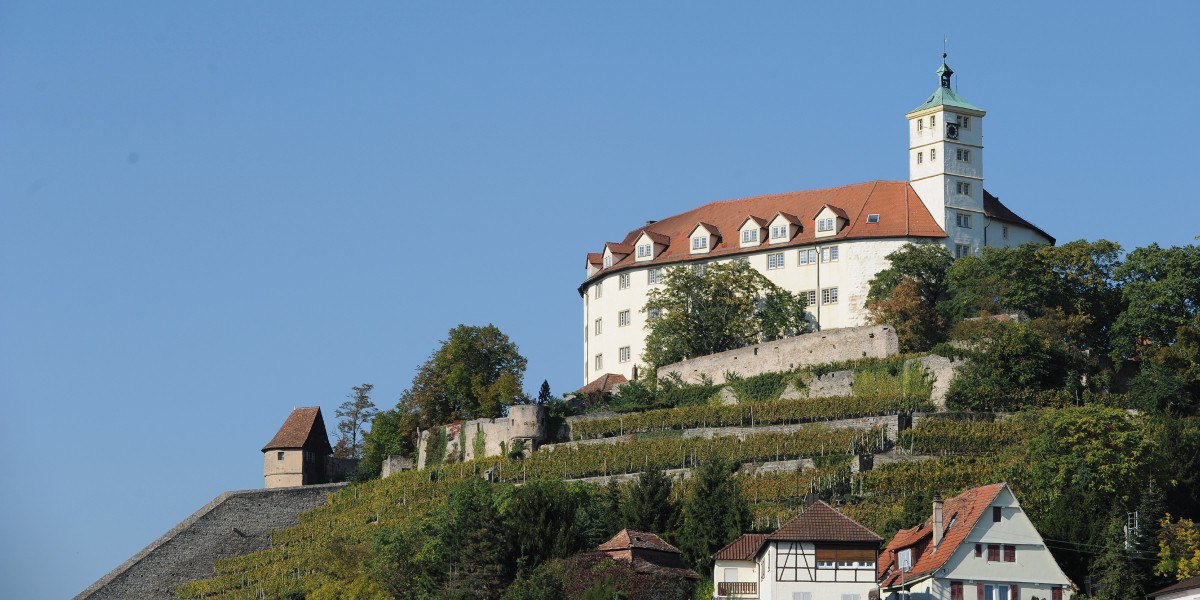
x,y
211,213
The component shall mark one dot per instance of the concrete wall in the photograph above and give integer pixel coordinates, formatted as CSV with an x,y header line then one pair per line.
x,y
233,524
395,464
822,347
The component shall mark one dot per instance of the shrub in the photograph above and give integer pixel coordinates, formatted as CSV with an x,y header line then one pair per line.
x,y
761,388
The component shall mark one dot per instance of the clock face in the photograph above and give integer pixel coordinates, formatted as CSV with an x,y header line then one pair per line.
x,y
952,131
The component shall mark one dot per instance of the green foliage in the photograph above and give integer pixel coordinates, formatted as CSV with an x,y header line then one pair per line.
x,y
720,307
1161,293
1007,362
1119,578
353,415
435,447
713,514
906,294
650,506
479,443
392,433
953,436
761,388
473,374
889,380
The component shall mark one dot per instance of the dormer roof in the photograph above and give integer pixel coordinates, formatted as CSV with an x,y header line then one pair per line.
x,y
303,429
595,258
837,211
753,219
616,248
789,217
712,229
657,238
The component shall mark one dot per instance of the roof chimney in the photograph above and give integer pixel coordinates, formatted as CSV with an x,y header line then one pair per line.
x,y
937,519
811,498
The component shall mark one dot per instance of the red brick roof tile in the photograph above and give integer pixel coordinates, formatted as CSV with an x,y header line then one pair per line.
x,y
616,248
902,215
757,221
745,547
628,538
837,211
821,522
657,238
604,383
304,428
964,510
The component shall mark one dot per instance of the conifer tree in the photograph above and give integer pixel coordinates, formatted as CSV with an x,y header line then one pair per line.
x,y
1120,578
650,507
353,415
713,515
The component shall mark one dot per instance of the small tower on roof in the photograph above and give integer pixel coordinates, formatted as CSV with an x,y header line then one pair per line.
x,y
299,452
945,162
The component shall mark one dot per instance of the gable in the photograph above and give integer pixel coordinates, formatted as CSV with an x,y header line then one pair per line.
x,y
303,429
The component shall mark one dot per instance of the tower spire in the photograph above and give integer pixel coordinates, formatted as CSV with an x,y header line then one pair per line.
x,y
944,72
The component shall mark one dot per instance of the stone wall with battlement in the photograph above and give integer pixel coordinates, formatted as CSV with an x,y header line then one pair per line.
x,y
233,524
822,347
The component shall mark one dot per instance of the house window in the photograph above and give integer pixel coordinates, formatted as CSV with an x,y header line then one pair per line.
x,y
749,235
962,220
978,550
996,592
278,456
309,457
623,318
808,257
623,281
962,250
825,564
993,552
829,295
775,261
699,243
654,314
956,590
962,187
932,154
1004,231
873,218
810,297
829,254
825,224
599,361
623,354
962,155
801,595
607,261
996,514
645,250
654,276
779,231
599,289
1010,553
599,326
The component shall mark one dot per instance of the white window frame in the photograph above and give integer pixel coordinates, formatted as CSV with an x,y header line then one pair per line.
x,y
775,261
623,318
599,326
920,158
826,224
779,232
962,250
810,297
873,218
623,281
599,289
645,250
654,276
808,256
623,354
700,243
829,254
932,154
829,295
963,220
599,362
749,236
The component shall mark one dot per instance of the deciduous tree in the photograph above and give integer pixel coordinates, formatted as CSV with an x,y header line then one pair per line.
x,y
473,374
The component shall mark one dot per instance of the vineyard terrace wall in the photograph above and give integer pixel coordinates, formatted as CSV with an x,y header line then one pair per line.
x,y
233,524
822,347
468,440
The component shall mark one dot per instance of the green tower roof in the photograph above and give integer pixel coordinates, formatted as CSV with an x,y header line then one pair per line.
x,y
944,96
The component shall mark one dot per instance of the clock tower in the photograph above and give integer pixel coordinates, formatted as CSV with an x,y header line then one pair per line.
x,y
945,163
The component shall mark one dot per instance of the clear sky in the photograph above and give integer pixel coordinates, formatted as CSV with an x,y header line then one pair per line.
x,y
213,212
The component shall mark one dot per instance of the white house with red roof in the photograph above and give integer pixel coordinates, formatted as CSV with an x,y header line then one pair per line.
x,y
824,244
819,555
978,545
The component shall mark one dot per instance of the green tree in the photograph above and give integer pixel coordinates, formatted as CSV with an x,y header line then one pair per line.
x,y
544,396
713,515
393,433
1000,280
474,374
650,507
353,415
472,531
538,519
1008,362
907,293
1120,578
699,311
1161,294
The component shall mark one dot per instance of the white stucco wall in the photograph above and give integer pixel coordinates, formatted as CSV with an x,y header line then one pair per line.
x,y
858,261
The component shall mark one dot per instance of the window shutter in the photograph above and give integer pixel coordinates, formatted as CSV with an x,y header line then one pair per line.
x,y
1014,593
993,553
1056,593
1010,553
956,590
979,590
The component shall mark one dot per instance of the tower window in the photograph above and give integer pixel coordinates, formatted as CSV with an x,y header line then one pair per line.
x,y
920,157
932,154
962,220
278,456
599,326
964,122
932,121
962,250
920,124
623,318
599,361
963,155
962,187
599,289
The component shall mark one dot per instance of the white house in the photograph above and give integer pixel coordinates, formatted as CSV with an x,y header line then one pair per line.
x,y
1188,589
826,244
819,555
978,545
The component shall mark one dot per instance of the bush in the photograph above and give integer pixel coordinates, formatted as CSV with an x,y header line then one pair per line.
x,y
761,388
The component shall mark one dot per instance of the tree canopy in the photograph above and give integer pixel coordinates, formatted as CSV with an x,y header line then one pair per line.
x,y
474,374
700,310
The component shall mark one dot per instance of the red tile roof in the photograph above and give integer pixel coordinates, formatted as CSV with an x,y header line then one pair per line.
x,y
628,539
304,428
902,215
964,509
757,221
595,258
993,208
789,217
604,383
821,522
616,248
837,211
657,238
745,547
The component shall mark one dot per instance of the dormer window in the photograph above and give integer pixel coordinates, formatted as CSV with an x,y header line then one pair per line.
x,y
826,224
645,250
607,261
749,236
699,243
779,232
873,218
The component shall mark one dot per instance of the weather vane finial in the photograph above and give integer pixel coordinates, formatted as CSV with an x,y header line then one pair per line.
x,y
945,38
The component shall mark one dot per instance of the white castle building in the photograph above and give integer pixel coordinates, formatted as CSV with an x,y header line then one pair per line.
x,y
826,244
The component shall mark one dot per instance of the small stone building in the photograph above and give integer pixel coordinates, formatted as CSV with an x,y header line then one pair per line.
x,y
299,454
647,553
